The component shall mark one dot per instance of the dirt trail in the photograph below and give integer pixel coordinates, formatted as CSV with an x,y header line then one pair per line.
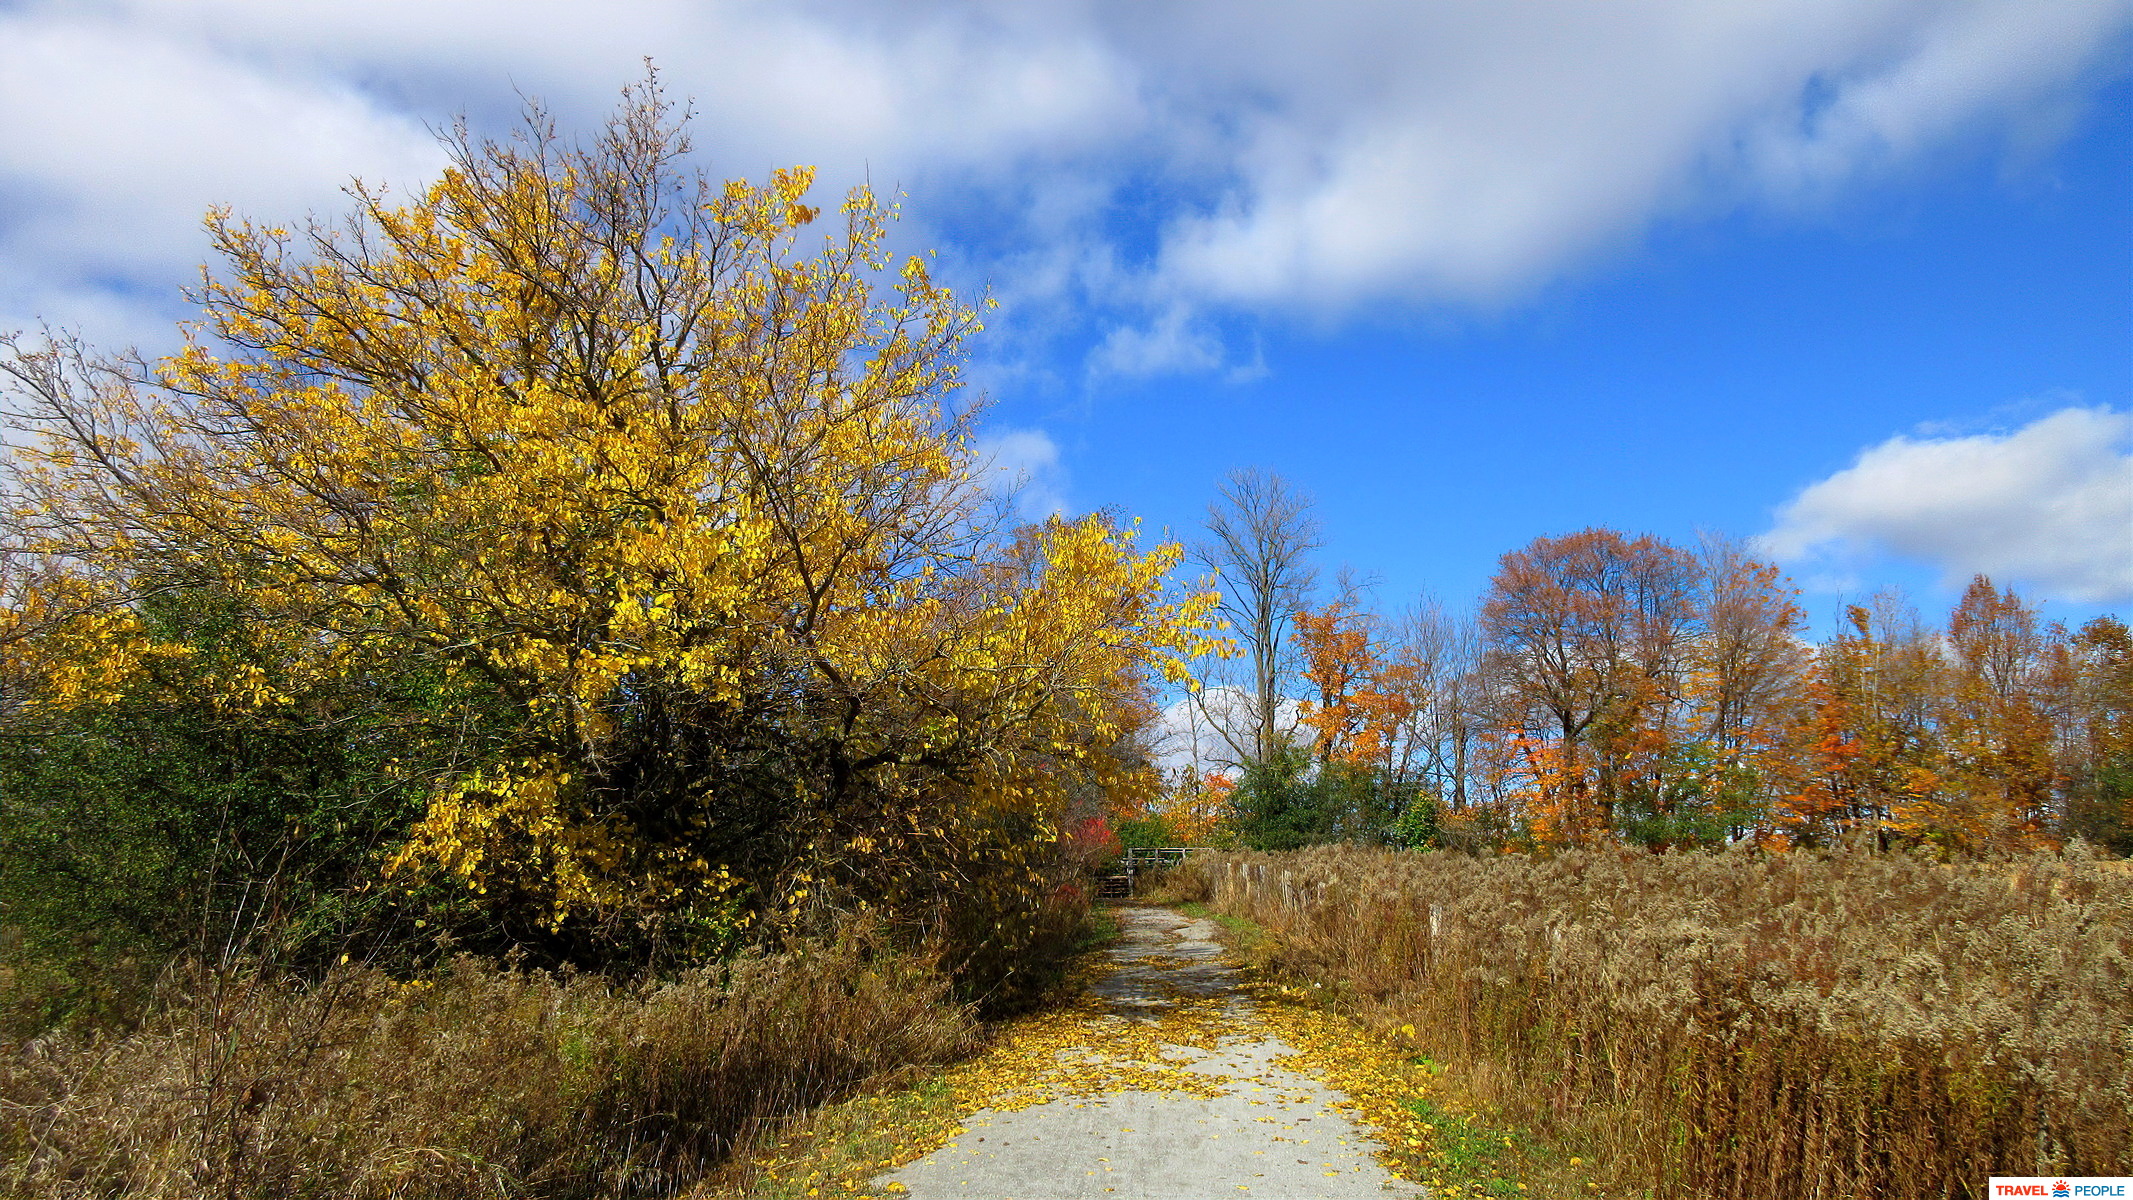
x,y
1166,1088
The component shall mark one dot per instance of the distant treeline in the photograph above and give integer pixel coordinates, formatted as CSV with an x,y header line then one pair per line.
x,y
1616,688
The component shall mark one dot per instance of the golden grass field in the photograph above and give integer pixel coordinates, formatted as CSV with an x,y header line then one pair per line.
x,y
1739,1025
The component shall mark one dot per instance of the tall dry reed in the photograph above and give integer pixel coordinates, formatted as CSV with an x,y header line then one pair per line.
x,y
481,1082
1747,1026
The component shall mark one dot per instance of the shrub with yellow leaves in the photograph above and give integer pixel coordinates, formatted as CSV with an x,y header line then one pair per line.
x,y
678,514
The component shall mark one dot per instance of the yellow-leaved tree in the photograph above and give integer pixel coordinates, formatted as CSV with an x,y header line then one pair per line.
x,y
674,510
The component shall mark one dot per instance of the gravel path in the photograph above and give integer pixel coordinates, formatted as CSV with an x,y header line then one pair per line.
x,y
1241,1125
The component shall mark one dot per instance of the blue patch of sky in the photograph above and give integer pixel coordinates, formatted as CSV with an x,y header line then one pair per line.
x,y
1697,381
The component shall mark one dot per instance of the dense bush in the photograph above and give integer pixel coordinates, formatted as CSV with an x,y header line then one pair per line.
x,y
576,566
155,822
584,535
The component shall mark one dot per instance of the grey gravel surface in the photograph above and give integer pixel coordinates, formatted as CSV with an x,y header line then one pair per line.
x,y
1269,1133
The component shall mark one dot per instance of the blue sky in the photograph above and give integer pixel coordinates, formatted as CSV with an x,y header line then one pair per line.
x,y
1851,276
1697,380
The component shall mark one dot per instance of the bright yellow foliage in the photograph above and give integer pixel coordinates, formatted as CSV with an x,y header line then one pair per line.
x,y
678,510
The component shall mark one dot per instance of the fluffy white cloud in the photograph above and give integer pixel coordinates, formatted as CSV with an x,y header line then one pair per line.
x,y
1469,152
1174,343
2049,505
1318,158
1022,466
1208,731
1971,59
119,143
128,120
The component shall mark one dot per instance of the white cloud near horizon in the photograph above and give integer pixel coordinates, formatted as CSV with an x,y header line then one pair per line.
x,y
1315,160
1205,732
2048,506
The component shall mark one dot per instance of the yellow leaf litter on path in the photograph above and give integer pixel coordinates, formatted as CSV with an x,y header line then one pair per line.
x,y
1163,1057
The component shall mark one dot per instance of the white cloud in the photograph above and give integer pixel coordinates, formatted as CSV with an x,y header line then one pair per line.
x,y
1159,164
128,120
1174,343
1972,59
1023,465
840,85
1208,731
1470,152
2049,505
119,143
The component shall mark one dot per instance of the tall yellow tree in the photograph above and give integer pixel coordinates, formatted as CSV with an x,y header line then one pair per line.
x,y
2094,670
678,509
1997,728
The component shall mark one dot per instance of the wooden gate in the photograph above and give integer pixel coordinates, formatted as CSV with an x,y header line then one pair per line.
x,y
1123,883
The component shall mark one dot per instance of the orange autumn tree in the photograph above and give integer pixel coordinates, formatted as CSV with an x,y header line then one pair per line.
x,y
1338,665
1201,808
1586,635
1637,689
670,508
1865,753
1997,727
1368,690
1822,791
1947,739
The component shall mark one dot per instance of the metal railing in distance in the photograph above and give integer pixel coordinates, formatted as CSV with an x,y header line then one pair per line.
x,y
1159,856
1124,882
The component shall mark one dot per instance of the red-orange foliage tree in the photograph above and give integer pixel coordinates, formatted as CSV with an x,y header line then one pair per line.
x,y
1588,636
1339,666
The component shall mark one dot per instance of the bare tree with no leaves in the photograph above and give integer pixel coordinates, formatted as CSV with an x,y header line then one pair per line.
x,y
1441,652
1261,538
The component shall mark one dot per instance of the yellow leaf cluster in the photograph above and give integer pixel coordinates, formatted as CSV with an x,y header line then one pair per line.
x,y
607,447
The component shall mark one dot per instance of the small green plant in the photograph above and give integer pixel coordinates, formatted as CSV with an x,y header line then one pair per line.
x,y
1472,1156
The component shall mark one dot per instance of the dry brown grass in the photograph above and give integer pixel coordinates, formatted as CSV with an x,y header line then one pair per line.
x,y
1737,1025
480,1082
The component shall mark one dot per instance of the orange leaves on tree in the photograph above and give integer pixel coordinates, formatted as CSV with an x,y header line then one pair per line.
x,y
1362,699
1335,645
1589,633
1201,808
1822,795
1997,729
